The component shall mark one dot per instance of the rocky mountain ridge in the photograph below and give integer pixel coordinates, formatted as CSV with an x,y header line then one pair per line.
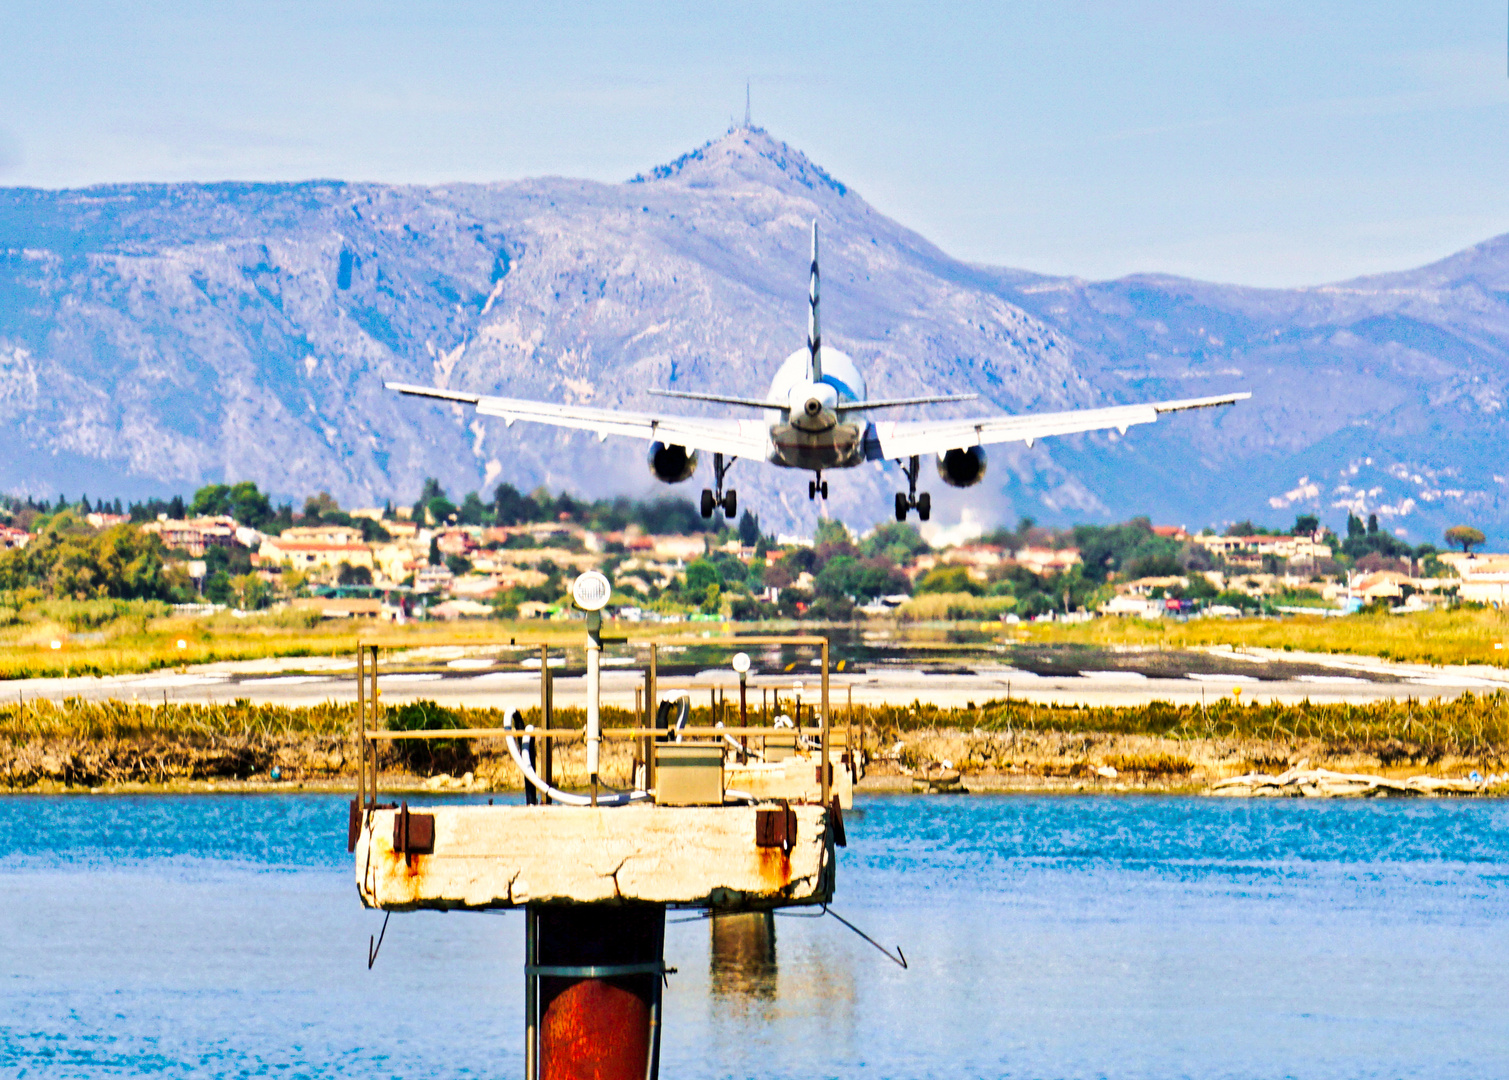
x,y
155,337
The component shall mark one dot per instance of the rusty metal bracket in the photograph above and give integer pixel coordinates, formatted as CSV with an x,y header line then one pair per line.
x,y
354,826
776,828
413,834
358,817
836,818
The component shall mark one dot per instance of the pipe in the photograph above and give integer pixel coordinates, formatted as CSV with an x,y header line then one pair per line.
x,y
736,745
683,713
565,798
594,693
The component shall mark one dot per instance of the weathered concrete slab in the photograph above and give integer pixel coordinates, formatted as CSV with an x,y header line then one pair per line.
x,y
794,778
509,856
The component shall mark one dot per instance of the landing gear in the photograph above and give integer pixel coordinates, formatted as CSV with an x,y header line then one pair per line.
x,y
817,487
906,501
712,499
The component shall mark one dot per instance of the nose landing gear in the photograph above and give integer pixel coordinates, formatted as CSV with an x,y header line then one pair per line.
x,y
713,499
910,500
817,487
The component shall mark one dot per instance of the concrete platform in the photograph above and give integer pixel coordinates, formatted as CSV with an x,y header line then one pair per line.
x,y
510,856
795,778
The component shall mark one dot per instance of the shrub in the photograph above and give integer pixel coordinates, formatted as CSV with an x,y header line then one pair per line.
x,y
429,755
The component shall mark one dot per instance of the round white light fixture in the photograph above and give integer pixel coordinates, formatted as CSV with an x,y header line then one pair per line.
x,y
591,591
741,662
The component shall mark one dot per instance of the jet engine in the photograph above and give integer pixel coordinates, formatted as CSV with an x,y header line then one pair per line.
x,y
962,468
671,464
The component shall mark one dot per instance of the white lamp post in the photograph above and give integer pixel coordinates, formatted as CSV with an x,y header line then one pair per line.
x,y
590,592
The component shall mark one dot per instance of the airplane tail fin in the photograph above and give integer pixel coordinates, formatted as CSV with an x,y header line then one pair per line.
x,y
814,328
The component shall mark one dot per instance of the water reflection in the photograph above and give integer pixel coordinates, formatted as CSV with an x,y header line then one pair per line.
x,y
742,958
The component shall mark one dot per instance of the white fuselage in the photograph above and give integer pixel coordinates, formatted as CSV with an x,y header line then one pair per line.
x,y
810,433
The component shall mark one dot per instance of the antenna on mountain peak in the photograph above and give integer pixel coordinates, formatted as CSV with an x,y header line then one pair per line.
x,y
748,123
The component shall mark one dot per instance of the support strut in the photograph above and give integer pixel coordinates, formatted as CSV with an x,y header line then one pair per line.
x,y
716,497
923,503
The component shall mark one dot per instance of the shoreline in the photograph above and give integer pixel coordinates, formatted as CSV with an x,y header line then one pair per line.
x,y
1042,773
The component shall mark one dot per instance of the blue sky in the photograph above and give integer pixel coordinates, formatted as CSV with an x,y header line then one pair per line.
x,y
1269,144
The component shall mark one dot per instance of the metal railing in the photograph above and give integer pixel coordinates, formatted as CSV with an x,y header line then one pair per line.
x,y
370,731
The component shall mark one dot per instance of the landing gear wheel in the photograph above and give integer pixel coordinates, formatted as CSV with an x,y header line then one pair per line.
x,y
901,506
823,487
811,489
924,506
707,503
730,504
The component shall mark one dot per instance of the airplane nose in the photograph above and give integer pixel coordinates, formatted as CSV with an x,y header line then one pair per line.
x,y
813,406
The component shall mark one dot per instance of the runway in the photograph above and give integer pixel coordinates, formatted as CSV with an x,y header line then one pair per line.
x,y
1259,676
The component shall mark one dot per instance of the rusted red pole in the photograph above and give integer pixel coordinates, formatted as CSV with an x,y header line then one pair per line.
x,y
600,969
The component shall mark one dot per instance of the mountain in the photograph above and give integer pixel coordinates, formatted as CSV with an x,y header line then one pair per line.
x,y
154,337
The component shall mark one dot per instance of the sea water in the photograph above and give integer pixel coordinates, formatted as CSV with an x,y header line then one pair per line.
x,y
221,935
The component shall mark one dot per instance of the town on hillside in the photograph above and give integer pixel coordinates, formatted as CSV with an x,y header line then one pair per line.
x,y
514,556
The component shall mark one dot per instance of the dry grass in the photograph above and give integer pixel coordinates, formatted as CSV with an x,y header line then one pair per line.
x,y
1471,726
935,607
1462,636
1150,764
143,638
88,743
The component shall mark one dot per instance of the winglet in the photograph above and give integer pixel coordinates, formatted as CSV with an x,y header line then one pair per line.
x,y
434,392
814,328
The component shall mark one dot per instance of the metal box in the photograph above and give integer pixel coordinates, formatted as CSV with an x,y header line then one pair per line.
x,y
688,774
780,744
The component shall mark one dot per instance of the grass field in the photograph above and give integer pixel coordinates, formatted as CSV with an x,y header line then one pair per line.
x,y
1464,636
124,637
1470,725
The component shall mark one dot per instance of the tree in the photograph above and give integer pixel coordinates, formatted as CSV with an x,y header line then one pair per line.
x,y
251,592
249,506
242,501
1465,537
472,511
948,579
1108,549
749,529
70,560
320,506
1305,525
346,574
510,507
699,575
897,541
428,494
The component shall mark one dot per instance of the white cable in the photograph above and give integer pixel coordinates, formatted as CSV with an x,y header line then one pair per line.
x,y
565,798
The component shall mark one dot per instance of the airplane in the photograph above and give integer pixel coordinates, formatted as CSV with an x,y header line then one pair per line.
x,y
814,418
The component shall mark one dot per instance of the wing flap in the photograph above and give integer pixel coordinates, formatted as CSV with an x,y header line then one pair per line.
x,y
739,438
900,439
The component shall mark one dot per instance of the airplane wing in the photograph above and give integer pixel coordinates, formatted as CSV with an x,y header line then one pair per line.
x,y
904,438
738,438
